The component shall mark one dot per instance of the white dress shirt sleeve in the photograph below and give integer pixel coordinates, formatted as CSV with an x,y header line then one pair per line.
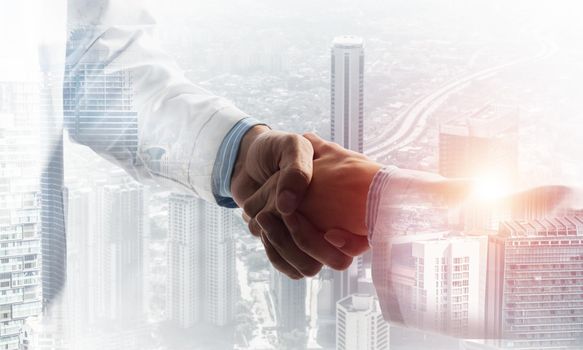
x,y
180,126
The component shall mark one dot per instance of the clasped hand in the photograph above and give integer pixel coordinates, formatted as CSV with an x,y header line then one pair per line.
x,y
306,198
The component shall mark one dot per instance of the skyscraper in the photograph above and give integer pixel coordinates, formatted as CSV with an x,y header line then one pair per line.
x,y
440,284
220,283
534,284
347,92
360,324
481,143
347,127
185,260
20,261
98,109
202,284
53,192
290,299
122,230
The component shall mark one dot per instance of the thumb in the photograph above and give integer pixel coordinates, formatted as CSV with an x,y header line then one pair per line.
x,y
347,242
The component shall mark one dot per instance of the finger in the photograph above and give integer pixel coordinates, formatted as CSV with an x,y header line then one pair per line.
x,y
259,200
277,234
317,142
312,242
254,228
242,188
347,242
246,218
277,261
295,173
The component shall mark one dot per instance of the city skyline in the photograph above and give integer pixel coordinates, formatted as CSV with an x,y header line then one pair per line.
x,y
430,71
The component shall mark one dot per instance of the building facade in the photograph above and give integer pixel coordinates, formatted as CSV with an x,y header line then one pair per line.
x,y
289,297
20,245
535,283
202,283
360,324
184,297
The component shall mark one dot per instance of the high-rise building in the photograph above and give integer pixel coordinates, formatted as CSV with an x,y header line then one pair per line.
x,y
483,143
534,284
440,284
121,253
103,298
220,284
347,128
347,92
98,109
20,260
184,296
289,297
53,192
202,283
360,324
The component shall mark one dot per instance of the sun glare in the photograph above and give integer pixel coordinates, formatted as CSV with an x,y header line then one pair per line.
x,y
490,187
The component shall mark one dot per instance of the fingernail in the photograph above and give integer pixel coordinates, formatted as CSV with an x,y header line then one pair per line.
x,y
335,239
287,201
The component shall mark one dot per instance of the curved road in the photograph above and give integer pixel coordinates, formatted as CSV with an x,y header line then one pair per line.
x,y
414,118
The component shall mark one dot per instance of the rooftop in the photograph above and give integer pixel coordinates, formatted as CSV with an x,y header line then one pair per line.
x,y
348,41
548,227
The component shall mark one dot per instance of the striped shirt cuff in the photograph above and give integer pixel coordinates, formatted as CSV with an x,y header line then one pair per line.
x,y
225,162
375,193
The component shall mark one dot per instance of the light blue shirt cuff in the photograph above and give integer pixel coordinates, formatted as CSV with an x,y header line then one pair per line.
x,y
225,162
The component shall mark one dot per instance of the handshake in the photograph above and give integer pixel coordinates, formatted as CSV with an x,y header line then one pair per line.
x,y
305,198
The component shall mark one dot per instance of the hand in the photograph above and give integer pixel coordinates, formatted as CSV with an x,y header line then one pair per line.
x,y
337,196
280,164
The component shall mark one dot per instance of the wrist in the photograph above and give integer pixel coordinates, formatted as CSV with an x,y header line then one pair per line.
x,y
246,142
366,171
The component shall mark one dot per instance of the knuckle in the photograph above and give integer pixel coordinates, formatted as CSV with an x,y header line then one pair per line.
x,y
248,208
298,173
254,228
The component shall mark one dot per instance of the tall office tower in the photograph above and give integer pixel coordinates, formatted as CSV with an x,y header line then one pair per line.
x,y
121,253
98,109
202,281
53,235
98,113
290,301
184,296
347,92
360,324
81,276
347,127
20,250
220,279
534,285
440,284
483,143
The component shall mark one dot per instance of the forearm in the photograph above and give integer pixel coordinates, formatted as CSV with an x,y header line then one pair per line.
x,y
167,130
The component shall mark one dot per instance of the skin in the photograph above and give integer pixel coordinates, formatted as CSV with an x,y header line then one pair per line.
x,y
340,177
274,169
